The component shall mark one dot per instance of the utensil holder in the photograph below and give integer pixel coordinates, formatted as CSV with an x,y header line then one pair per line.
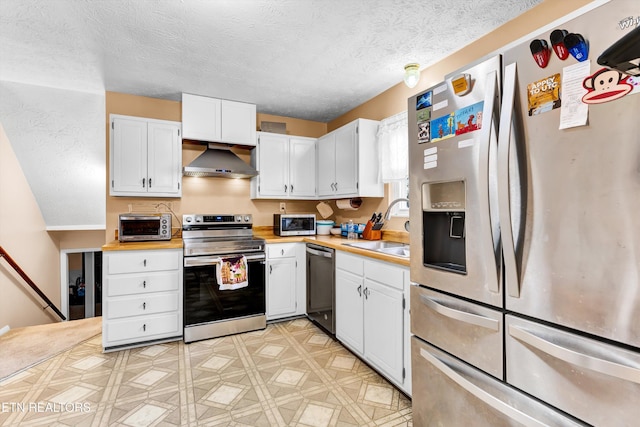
x,y
370,234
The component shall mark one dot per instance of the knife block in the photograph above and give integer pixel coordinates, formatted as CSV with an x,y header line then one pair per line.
x,y
369,233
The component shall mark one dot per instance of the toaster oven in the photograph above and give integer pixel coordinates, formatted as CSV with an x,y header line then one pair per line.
x,y
144,227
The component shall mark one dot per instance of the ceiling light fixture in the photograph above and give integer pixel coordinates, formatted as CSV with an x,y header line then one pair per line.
x,y
411,74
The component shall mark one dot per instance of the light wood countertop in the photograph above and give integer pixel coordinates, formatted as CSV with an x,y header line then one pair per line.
x,y
116,245
338,243
334,242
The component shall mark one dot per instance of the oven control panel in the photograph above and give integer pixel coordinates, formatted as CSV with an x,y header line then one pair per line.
x,y
217,219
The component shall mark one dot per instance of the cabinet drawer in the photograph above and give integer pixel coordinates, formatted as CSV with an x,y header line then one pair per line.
x,y
142,283
351,263
281,250
381,272
143,328
139,261
467,330
142,305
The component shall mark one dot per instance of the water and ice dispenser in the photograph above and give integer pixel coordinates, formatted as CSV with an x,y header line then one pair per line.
x,y
443,216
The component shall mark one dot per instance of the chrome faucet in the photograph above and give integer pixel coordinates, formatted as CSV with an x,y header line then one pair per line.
x,y
392,204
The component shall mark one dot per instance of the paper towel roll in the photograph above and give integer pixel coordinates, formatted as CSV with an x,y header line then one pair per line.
x,y
349,204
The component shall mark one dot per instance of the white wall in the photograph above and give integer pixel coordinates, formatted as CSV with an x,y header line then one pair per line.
x,y
23,236
58,138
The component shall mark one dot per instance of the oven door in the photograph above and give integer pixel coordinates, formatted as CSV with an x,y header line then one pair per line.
x,y
205,302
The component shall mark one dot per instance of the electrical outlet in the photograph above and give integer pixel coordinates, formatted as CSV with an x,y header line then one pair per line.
x,y
283,207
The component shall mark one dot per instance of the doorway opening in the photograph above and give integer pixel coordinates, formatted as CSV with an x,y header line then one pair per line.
x,y
81,282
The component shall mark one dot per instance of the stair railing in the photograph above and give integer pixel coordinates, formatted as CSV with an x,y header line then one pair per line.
x,y
36,289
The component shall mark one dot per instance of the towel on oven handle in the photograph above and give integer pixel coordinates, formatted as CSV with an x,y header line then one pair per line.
x,y
232,273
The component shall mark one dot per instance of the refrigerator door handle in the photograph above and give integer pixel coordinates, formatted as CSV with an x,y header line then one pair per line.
x,y
576,358
487,227
504,208
463,316
481,394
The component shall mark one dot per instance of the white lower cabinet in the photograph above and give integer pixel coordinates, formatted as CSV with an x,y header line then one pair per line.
x,y
142,297
286,280
372,314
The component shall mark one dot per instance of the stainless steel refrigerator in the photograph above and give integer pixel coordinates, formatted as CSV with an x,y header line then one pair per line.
x,y
525,243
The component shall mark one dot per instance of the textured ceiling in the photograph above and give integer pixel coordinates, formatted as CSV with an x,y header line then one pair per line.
x,y
310,59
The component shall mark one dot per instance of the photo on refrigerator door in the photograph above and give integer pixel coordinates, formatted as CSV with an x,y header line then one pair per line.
x,y
424,100
442,127
423,118
469,118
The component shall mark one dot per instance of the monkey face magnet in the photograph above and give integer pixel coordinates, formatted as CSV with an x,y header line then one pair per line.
x,y
605,85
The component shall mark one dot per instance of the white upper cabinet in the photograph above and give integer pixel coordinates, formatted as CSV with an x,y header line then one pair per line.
x,y
286,167
201,118
348,161
145,157
218,120
302,167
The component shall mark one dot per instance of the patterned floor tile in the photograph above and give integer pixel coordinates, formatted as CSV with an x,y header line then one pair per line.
x,y
289,374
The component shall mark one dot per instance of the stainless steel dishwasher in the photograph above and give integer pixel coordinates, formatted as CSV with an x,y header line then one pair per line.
x,y
321,286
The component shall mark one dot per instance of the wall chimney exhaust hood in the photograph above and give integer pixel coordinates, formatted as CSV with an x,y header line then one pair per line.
x,y
219,161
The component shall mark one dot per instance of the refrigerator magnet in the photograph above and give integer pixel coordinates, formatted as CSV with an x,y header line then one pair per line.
x,y
424,100
544,95
540,51
443,127
461,84
605,85
557,42
424,132
468,119
577,46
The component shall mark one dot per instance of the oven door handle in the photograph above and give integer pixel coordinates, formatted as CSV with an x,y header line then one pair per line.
x,y
217,259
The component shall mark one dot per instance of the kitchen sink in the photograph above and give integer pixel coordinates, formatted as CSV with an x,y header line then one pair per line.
x,y
383,246
402,251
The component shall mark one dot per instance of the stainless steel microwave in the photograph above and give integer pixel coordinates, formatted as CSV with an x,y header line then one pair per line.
x,y
144,227
294,224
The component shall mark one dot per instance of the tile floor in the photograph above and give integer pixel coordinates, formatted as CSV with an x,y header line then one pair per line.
x,y
290,374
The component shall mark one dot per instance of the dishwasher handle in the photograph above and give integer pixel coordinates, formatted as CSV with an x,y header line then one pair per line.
x,y
326,254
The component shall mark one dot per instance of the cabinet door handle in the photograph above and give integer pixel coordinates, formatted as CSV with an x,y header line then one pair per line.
x,y
143,181
149,182
336,186
270,269
144,262
282,251
360,290
366,293
144,327
285,188
144,284
144,305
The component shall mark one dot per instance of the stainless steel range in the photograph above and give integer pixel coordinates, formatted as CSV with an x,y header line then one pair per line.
x,y
212,309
